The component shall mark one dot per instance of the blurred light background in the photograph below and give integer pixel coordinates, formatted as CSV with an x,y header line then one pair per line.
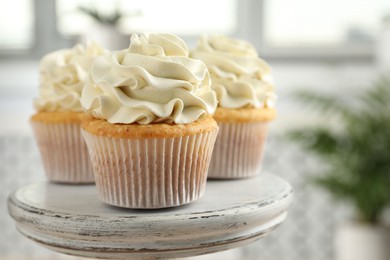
x,y
334,46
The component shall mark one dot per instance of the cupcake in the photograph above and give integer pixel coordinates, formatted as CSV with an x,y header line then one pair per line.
x,y
246,98
150,134
56,125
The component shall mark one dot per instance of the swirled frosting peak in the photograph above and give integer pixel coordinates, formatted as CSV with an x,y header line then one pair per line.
x,y
239,77
152,81
63,74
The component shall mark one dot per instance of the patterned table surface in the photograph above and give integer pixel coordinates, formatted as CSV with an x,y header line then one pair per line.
x,y
71,219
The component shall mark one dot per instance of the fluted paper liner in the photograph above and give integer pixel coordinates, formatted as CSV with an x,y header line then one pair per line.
x,y
150,172
63,152
238,150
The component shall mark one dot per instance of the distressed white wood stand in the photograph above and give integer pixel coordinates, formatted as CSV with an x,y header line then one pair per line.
x,y
72,220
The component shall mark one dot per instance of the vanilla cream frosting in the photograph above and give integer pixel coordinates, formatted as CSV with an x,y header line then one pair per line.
x,y
63,74
152,81
239,77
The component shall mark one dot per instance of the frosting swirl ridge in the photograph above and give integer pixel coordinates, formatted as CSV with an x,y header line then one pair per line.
x,y
63,74
239,77
152,81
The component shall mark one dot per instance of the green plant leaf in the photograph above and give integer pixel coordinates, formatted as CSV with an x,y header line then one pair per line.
x,y
111,19
357,155
325,104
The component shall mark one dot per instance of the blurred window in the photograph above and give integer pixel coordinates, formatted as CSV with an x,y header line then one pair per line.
x,y
281,27
173,16
16,25
315,23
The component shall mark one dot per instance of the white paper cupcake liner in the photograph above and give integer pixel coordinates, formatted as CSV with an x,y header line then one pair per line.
x,y
238,150
63,152
150,172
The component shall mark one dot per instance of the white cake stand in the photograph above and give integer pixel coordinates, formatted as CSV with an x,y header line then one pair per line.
x,y
72,220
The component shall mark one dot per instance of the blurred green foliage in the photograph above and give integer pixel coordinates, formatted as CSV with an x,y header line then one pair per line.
x,y
356,151
109,19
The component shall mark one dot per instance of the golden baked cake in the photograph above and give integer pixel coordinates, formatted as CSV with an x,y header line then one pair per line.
x,y
246,98
56,125
150,133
